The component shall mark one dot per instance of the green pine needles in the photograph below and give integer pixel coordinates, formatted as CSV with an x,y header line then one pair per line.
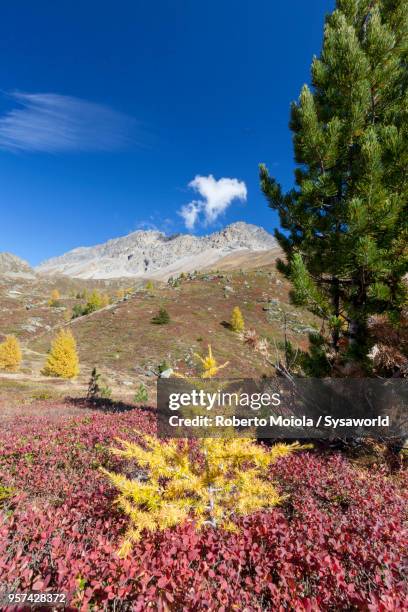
x,y
162,317
346,222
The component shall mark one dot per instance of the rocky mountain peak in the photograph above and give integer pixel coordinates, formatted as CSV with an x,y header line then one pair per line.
x,y
153,253
15,266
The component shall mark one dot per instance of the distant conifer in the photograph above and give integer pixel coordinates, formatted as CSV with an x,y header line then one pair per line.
x,y
93,386
162,318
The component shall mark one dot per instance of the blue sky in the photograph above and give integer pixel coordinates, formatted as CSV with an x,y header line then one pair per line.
x,y
116,116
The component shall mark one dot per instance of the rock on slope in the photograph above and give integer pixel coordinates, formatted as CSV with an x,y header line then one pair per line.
x,y
153,254
13,266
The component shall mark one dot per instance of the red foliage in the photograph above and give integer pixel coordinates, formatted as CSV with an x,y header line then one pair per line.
x,y
338,543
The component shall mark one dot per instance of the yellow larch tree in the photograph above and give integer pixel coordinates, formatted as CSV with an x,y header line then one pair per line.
x,y
94,302
231,480
105,300
10,354
237,320
62,359
55,296
209,366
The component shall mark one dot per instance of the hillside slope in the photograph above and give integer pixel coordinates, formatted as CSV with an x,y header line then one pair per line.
x,y
24,300
126,346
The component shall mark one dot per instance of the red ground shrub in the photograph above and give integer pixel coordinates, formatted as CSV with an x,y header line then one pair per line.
x,y
338,543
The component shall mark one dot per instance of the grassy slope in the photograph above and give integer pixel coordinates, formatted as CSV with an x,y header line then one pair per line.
x,y
24,309
123,343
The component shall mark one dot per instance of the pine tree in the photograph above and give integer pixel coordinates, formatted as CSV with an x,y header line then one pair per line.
x,y
63,359
162,318
78,311
10,354
93,386
141,395
346,223
97,389
237,320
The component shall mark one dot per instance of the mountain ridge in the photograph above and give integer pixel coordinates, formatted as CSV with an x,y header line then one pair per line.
x,y
151,253
13,266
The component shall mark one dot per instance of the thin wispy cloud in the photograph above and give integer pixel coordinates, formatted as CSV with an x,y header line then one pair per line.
x,y
216,197
155,222
52,123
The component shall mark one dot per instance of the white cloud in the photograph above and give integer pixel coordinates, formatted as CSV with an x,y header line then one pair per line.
x,y
190,213
54,123
216,198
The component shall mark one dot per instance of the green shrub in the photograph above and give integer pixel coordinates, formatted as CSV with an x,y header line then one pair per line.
x,y
95,301
42,395
106,392
162,318
5,494
164,365
141,395
78,311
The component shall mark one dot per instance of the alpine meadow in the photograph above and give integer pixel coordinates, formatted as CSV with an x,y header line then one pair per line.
x,y
174,255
